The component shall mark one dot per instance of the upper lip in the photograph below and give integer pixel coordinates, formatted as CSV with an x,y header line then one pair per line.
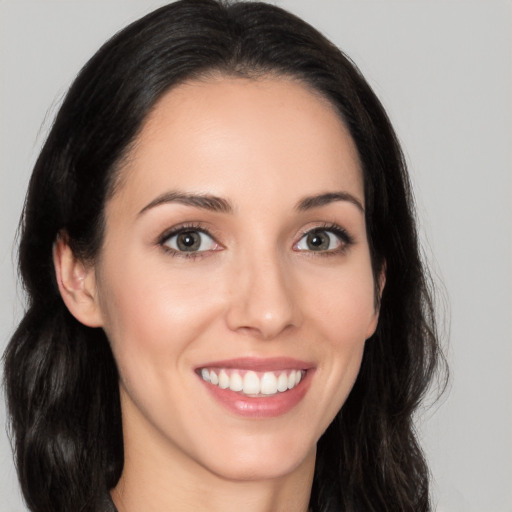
x,y
260,364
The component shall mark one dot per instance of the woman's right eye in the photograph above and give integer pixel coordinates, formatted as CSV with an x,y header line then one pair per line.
x,y
190,241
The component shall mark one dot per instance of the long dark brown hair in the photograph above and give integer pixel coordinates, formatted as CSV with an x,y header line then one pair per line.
x,y
61,379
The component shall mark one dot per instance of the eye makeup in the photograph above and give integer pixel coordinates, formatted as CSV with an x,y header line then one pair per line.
x,y
194,240
318,240
189,240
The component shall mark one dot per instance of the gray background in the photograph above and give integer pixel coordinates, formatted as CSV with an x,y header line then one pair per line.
x,y
443,70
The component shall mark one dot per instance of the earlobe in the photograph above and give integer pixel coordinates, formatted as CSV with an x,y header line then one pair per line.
x,y
77,283
382,281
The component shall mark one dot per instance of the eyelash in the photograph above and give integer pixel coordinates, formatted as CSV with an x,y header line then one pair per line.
x,y
165,237
342,234
345,238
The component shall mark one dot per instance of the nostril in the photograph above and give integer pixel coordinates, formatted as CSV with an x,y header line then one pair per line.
x,y
264,302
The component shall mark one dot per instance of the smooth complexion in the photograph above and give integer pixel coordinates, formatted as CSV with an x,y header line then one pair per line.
x,y
235,242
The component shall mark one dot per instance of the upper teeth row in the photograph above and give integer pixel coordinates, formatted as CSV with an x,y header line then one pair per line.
x,y
267,383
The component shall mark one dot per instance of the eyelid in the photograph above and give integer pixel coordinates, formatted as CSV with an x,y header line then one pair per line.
x,y
345,238
184,227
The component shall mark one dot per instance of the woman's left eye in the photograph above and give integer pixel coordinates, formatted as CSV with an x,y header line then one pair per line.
x,y
323,240
190,241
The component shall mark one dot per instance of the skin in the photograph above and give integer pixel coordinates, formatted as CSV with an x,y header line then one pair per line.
x,y
257,290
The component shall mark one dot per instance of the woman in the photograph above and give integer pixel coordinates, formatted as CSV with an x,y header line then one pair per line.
x,y
227,307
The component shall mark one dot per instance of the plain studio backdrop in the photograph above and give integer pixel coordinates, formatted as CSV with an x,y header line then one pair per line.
x,y
443,70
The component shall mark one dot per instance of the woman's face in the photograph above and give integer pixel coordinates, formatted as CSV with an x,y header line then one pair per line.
x,y
235,283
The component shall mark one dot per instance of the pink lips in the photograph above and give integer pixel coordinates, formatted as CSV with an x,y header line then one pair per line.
x,y
261,365
260,406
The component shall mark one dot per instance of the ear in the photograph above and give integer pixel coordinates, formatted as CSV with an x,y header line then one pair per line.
x,y
379,289
77,283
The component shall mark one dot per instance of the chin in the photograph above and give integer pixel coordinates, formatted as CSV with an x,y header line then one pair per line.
x,y
262,461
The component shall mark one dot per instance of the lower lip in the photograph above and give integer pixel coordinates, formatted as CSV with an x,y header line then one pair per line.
x,y
261,406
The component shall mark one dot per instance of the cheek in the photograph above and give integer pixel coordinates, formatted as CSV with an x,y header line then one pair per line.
x,y
352,321
151,315
342,303
343,315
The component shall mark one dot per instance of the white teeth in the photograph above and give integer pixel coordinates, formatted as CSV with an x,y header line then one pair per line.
x,y
291,380
236,383
282,382
252,383
223,380
268,384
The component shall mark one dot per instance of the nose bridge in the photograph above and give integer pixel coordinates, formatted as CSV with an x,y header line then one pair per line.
x,y
263,301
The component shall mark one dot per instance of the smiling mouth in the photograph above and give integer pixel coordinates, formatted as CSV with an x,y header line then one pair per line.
x,y
253,383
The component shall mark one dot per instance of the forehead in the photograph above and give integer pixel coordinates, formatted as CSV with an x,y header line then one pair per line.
x,y
225,135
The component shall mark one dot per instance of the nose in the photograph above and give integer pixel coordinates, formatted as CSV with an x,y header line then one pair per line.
x,y
263,300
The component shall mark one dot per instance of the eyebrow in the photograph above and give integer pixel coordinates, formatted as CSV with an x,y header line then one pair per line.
x,y
310,202
203,201
218,204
